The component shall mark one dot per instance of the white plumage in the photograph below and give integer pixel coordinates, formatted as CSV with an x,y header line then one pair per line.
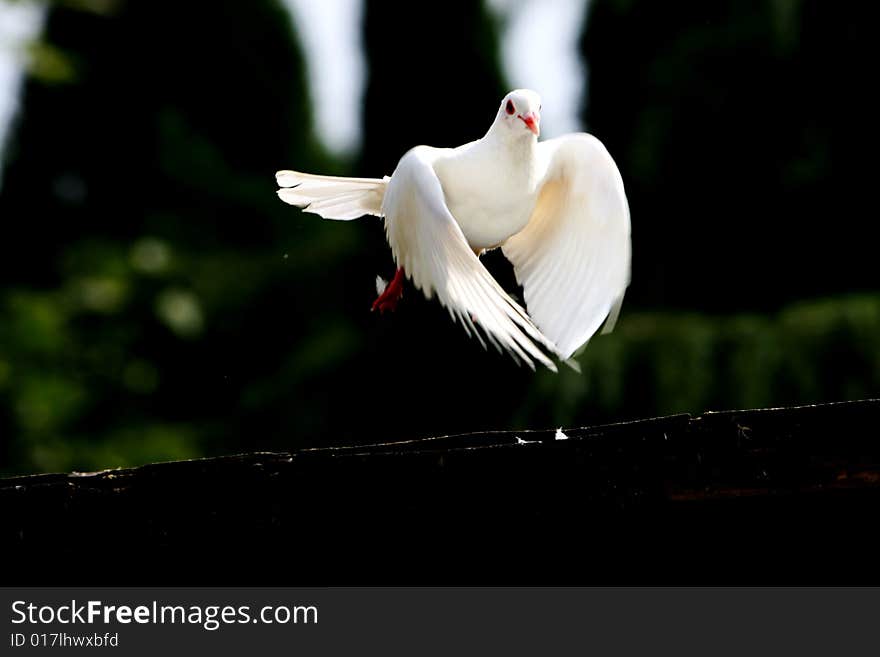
x,y
557,209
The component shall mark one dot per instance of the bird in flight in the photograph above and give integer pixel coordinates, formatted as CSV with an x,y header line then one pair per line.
x,y
556,208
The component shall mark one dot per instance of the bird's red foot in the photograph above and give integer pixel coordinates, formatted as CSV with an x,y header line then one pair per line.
x,y
391,295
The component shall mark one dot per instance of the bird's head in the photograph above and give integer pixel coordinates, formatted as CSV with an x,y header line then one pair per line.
x,y
520,113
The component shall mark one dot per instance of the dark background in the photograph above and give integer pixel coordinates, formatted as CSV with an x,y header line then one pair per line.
x,y
157,301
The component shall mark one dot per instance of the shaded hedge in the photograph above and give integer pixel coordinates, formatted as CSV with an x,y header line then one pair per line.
x,y
662,363
652,364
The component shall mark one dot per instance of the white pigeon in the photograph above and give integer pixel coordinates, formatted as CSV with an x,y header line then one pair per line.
x,y
556,208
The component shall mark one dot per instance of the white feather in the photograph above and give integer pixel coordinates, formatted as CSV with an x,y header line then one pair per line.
x,y
428,243
332,197
573,257
557,208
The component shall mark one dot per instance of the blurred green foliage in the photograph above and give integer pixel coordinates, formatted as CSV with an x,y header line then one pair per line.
x,y
743,129
810,352
159,302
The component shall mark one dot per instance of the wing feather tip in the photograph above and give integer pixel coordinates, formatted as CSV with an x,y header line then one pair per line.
x,y
573,364
283,177
613,315
283,194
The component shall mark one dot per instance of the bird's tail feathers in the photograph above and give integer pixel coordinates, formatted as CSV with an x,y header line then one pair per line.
x,y
332,197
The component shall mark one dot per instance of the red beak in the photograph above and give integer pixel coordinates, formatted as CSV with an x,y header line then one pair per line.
x,y
531,121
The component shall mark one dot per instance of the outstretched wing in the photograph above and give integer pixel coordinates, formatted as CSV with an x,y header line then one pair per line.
x,y
573,257
429,245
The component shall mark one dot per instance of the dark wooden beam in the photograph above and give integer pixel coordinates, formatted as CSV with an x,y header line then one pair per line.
x,y
788,495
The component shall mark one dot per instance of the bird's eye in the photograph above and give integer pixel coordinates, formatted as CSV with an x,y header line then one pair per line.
x,y
509,108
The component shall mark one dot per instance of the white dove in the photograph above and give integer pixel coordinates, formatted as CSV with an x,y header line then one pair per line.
x,y
556,208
